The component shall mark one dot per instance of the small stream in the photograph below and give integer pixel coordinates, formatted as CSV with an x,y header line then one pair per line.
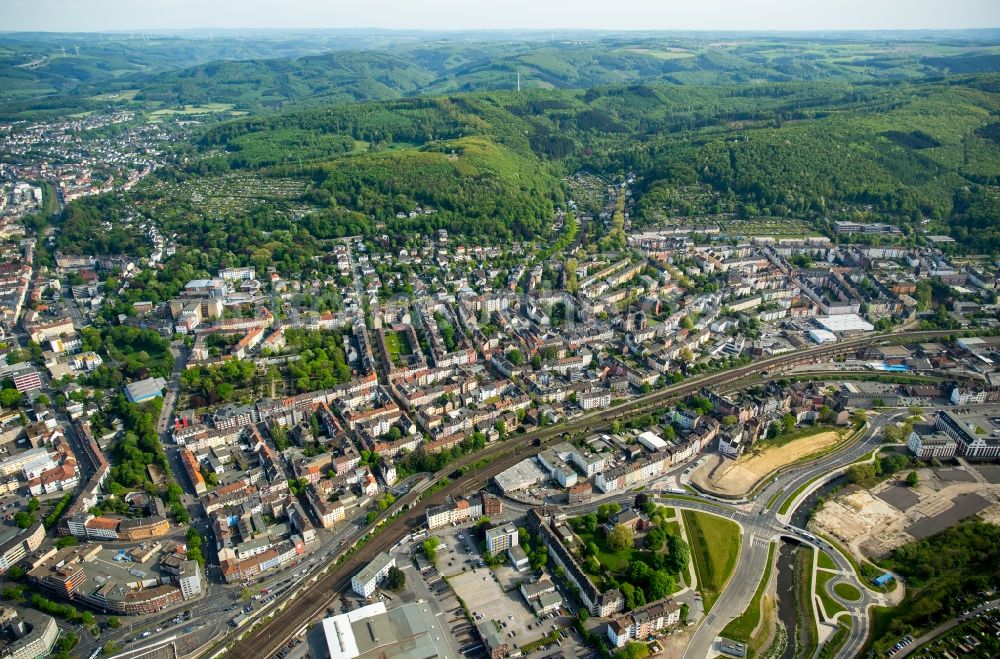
x,y
787,606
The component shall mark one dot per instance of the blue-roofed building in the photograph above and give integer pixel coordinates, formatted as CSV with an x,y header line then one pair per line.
x,y
883,579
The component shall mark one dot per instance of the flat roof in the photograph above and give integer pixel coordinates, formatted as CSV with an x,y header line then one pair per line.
x,y
146,388
524,473
377,564
848,322
652,440
411,631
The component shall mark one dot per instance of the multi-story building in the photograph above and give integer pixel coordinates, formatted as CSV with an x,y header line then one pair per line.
x,y
501,538
456,511
25,376
642,470
189,579
977,437
928,446
642,623
365,581
35,638
19,544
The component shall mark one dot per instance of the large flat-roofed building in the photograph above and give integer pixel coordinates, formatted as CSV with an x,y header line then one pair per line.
x,y
144,390
99,578
978,436
365,581
843,323
411,631
521,476
937,445
34,634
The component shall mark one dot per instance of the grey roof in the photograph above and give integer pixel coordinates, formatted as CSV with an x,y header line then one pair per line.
x,y
145,388
377,564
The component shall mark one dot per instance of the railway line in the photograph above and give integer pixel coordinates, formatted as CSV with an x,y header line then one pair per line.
x,y
266,639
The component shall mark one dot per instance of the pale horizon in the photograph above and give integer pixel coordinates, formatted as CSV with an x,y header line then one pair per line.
x,y
454,15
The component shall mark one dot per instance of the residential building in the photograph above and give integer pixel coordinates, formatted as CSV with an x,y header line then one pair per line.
x,y
501,538
365,581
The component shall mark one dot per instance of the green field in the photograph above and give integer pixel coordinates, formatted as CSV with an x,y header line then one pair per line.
x,y
826,562
188,110
398,346
715,547
742,628
847,591
830,605
807,633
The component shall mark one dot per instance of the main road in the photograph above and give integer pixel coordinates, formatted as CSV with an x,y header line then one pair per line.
x,y
265,639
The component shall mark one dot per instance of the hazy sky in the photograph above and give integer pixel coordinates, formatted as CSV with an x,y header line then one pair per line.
x,y
89,15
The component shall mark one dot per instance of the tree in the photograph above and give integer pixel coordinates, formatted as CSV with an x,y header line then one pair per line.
x,y
114,622
395,579
655,538
9,397
430,546
621,538
23,519
660,585
66,541
633,650
515,357
912,479
593,565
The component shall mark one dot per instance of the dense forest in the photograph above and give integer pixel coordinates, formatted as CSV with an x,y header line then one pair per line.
x,y
943,574
270,70
923,155
917,150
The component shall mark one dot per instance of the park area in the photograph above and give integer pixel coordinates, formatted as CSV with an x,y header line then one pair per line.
x,y
645,566
721,475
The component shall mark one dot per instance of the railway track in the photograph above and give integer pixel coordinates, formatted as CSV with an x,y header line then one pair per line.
x,y
266,640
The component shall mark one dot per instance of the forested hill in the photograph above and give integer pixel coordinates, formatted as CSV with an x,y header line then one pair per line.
x,y
249,78
923,155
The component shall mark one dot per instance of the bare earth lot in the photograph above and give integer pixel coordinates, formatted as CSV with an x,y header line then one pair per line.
x,y
737,477
874,522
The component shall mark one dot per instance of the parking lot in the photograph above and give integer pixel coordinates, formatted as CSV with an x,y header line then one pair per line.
x,y
487,601
452,617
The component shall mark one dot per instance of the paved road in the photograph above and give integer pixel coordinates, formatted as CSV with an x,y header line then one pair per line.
x,y
940,630
766,523
267,639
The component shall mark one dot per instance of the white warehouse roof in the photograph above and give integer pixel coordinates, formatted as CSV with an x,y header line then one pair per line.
x,y
848,322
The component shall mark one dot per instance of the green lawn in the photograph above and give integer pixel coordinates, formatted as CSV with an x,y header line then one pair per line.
x,y
830,605
847,591
615,561
715,546
826,562
742,628
807,634
397,345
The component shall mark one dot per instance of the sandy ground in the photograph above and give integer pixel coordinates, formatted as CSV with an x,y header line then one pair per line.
x,y
871,527
737,477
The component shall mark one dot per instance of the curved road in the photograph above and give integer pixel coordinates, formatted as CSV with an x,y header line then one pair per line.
x,y
266,639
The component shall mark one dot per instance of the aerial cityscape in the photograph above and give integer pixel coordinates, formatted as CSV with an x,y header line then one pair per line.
x,y
616,341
